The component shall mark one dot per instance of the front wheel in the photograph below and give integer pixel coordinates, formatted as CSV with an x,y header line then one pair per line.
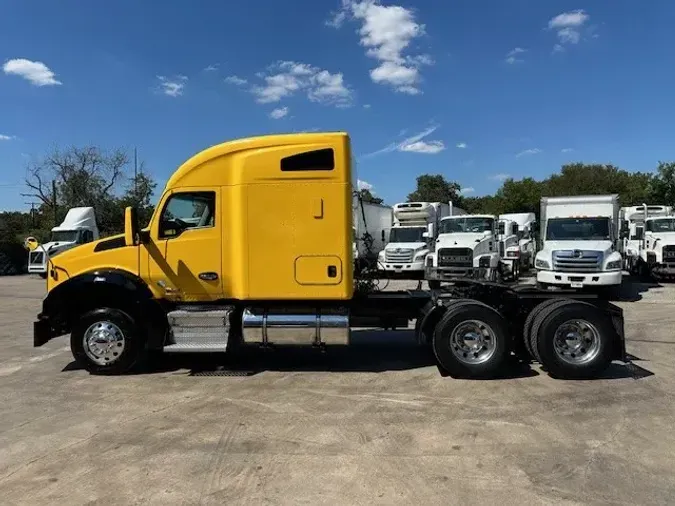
x,y
106,341
434,284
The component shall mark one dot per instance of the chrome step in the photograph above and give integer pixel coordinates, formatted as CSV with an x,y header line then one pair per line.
x,y
198,329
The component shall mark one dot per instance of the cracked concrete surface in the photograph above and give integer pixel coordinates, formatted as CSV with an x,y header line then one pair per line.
x,y
368,425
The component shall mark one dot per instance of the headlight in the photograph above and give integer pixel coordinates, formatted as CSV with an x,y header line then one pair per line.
x,y
541,264
614,265
484,262
380,255
419,257
512,254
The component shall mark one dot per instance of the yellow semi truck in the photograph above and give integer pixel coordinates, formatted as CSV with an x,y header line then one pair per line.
x,y
251,245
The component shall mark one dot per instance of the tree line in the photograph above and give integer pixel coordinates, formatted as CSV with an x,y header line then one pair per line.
x,y
108,182
524,195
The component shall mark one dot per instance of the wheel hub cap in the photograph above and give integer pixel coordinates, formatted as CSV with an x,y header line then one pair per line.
x,y
104,342
473,342
577,342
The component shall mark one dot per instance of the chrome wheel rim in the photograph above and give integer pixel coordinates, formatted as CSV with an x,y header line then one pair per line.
x,y
104,342
577,342
473,342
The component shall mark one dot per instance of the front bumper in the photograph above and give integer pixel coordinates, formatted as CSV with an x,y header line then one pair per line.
x,y
445,273
401,268
664,269
580,279
42,331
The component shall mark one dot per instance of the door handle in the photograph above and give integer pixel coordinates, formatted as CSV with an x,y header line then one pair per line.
x,y
208,276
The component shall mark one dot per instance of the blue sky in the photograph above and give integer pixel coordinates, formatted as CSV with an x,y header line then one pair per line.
x,y
475,90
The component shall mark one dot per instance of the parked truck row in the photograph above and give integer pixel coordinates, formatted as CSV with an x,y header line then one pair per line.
x,y
202,277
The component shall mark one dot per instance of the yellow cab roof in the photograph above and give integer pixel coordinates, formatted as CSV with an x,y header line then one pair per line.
x,y
213,166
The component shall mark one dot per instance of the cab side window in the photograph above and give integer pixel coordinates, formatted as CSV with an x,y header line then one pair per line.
x,y
185,211
87,236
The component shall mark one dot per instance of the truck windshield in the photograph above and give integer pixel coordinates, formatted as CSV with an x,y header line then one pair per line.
x,y
459,225
407,234
64,235
581,229
664,225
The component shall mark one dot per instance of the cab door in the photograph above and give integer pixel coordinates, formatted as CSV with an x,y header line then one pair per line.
x,y
184,254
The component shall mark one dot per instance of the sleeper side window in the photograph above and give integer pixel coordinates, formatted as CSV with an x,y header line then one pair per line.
x,y
186,211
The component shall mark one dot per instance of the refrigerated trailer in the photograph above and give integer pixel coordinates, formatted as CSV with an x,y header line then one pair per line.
x,y
250,245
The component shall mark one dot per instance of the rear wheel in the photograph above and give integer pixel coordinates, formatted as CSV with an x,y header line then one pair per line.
x,y
106,341
573,339
470,341
527,327
434,284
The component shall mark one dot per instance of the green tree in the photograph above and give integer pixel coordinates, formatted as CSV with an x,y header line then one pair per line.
x,y
521,196
662,188
367,196
435,188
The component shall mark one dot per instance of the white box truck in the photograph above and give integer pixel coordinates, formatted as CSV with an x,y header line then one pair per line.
x,y
648,233
580,242
371,224
411,238
78,227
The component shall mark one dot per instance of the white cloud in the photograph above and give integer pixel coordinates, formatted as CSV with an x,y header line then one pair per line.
x,y
461,145
4,137
500,177
528,152
566,150
236,80
363,185
414,144
285,78
279,112
34,71
467,190
568,26
366,106
212,68
387,32
172,87
512,56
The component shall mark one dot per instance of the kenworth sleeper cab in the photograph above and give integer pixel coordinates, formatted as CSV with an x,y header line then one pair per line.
x,y
202,277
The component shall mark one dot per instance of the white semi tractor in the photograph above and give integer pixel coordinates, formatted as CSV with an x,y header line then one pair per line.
x,y
412,236
78,227
371,224
649,240
467,246
519,253
580,241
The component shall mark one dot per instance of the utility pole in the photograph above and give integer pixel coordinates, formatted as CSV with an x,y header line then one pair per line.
x,y
54,202
136,175
32,213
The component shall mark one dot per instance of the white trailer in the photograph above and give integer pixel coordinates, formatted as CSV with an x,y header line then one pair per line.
x,y
523,226
648,233
371,224
580,242
78,227
411,238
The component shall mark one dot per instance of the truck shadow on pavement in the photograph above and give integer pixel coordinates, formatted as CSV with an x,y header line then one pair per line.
x,y
633,287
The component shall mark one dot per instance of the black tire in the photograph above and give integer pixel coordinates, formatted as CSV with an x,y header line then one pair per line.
x,y
457,314
549,321
132,349
527,327
434,284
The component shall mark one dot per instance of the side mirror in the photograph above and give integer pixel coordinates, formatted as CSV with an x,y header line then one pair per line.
x,y
384,236
130,227
430,229
425,235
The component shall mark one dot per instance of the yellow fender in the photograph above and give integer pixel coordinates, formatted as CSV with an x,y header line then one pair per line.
x,y
30,243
